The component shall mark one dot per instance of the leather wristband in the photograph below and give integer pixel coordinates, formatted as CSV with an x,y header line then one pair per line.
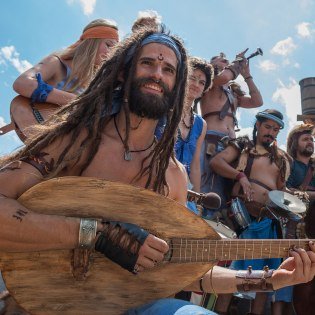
x,y
254,280
247,78
121,242
240,175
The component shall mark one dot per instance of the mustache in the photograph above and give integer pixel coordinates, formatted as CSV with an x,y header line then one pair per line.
x,y
270,137
142,81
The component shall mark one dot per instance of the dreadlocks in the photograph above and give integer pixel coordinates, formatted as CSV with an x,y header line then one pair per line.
x,y
93,110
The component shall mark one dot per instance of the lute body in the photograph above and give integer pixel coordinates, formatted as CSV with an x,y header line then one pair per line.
x,y
80,282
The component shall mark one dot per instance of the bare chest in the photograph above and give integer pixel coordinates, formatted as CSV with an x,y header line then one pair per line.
x,y
109,163
215,99
265,172
262,164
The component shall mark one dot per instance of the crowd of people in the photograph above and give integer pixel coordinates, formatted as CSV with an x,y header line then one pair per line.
x,y
128,113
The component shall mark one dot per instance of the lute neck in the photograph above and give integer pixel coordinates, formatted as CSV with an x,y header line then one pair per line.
x,y
184,250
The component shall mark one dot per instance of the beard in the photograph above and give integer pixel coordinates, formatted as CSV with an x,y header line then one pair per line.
x,y
267,141
307,152
149,105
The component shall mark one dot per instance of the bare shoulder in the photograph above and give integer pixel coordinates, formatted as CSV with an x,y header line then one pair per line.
x,y
49,67
21,174
209,93
48,62
50,59
229,154
176,178
204,127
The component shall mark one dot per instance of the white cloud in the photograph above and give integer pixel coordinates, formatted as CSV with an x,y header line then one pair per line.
x,y
2,122
287,62
267,65
304,29
240,80
296,65
88,6
289,96
9,54
245,117
283,47
245,132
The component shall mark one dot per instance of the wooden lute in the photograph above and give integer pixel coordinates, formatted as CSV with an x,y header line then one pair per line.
x,y
79,282
25,114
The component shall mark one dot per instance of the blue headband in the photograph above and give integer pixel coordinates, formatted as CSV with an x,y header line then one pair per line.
x,y
165,40
159,38
271,117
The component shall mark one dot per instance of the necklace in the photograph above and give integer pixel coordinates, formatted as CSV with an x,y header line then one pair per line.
x,y
127,154
135,128
191,119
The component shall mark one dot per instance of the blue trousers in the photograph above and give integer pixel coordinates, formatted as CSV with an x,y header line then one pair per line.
x,y
169,307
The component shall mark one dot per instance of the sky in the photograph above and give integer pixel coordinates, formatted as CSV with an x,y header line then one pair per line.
x,y
285,30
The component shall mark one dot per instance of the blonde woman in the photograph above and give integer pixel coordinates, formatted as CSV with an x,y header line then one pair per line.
x,y
61,76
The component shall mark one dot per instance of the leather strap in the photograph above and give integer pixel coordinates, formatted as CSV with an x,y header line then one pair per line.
x,y
254,280
307,179
225,109
37,115
39,163
255,181
247,171
7,128
216,113
249,165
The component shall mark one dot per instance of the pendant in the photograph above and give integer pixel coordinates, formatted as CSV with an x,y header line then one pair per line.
x,y
127,156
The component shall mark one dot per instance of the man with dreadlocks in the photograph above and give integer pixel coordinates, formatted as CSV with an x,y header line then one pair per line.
x,y
260,167
142,81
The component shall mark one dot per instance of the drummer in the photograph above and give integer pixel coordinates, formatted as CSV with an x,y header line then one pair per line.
x,y
260,167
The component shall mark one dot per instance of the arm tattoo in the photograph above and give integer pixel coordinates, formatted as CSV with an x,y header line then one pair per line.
x,y
20,214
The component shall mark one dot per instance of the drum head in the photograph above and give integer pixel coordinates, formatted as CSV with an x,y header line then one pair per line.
x,y
223,230
286,201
